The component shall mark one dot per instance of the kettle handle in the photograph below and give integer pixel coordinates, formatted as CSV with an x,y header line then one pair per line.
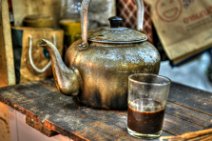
x,y
84,18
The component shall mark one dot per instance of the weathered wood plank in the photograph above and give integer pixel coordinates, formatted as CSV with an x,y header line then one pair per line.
x,y
34,122
191,98
7,72
178,126
189,115
52,112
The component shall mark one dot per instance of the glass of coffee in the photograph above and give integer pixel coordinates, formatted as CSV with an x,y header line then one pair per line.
x,y
147,96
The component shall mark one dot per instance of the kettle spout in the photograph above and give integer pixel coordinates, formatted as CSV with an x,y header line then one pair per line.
x,y
67,79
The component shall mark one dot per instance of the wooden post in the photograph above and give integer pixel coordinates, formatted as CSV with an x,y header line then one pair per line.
x,y
7,73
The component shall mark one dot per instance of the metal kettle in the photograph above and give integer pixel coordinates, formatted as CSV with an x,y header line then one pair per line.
x,y
98,66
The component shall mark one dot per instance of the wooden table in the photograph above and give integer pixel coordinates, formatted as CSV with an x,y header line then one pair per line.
x,y
51,113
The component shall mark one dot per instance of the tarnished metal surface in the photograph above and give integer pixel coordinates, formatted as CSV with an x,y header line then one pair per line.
x,y
67,80
117,35
104,69
98,71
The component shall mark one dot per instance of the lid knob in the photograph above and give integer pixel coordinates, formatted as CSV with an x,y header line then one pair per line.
x,y
115,21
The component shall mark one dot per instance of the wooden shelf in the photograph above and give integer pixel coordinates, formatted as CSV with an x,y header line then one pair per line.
x,y
52,113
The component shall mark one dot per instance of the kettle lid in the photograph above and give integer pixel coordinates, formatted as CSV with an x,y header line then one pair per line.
x,y
117,34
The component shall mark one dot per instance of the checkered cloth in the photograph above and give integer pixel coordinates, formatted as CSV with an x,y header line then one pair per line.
x,y
127,9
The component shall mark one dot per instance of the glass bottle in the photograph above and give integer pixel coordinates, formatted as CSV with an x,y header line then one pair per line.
x,y
70,20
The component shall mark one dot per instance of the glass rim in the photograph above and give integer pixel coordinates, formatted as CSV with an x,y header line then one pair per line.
x,y
167,80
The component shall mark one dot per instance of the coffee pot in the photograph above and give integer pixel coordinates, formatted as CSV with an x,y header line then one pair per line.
x,y
97,67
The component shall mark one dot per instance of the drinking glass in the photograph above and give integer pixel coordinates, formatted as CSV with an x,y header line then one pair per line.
x,y
147,96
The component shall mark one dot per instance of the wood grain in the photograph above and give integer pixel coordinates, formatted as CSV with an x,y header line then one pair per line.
x,y
7,74
50,112
187,114
188,97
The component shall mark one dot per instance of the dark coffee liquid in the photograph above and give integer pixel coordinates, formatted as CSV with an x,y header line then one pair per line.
x,y
145,116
